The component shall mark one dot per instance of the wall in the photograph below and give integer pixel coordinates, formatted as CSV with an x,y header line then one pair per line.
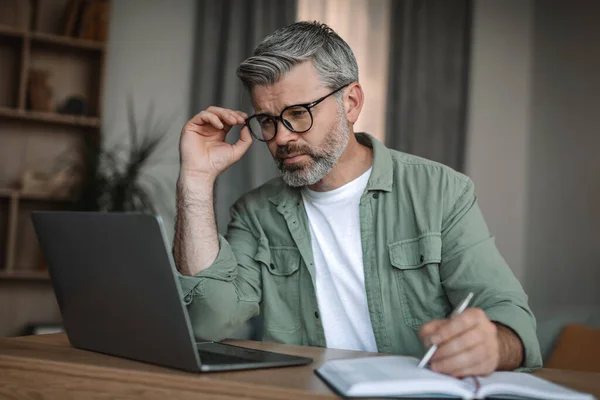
x,y
563,210
533,146
150,58
499,120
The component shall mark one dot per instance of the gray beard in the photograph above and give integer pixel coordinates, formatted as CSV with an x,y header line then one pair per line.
x,y
322,160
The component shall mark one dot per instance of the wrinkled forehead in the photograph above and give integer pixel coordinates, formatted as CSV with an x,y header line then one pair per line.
x,y
300,85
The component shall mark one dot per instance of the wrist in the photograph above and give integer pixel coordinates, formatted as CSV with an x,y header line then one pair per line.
x,y
512,352
193,180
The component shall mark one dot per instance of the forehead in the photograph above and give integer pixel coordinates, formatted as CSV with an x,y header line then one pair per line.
x,y
299,85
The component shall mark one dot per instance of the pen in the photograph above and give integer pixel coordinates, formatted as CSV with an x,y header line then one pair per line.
x,y
459,309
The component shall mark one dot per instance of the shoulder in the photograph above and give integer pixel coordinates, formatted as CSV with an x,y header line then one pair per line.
x,y
427,177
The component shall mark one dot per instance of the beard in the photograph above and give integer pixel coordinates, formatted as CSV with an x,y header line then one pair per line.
x,y
320,160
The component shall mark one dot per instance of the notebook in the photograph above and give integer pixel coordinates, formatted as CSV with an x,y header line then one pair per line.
x,y
395,376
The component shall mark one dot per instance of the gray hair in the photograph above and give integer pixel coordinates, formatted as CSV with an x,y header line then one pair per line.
x,y
302,41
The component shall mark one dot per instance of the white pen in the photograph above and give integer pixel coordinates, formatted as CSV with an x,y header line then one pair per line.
x,y
459,309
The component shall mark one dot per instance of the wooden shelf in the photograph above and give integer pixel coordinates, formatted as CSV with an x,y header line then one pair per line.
x,y
9,31
55,40
54,118
25,275
8,193
66,41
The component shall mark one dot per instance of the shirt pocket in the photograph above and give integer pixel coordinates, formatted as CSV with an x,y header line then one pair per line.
x,y
416,274
280,289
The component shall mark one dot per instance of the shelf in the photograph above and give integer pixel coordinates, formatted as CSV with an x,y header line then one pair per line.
x,y
9,31
8,193
63,119
25,275
66,41
47,38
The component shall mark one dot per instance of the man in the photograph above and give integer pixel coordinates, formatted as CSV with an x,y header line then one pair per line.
x,y
356,246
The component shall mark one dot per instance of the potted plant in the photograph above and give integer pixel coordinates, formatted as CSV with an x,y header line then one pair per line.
x,y
112,179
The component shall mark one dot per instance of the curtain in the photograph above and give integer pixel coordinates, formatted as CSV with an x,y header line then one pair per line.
x,y
227,33
428,79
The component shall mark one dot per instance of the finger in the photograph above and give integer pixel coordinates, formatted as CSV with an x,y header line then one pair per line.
x,y
212,119
461,361
243,144
241,119
430,328
459,324
229,118
460,343
243,115
224,114
482,369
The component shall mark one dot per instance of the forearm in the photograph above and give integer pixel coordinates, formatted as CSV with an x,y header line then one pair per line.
x,y
196,242
511,349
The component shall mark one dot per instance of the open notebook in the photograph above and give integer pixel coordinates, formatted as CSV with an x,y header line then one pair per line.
x,y
394,376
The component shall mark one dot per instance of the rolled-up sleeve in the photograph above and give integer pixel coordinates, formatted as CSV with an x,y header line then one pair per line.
x,y
225,295
472,263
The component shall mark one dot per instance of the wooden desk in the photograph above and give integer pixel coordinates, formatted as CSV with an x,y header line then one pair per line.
x,y
48,367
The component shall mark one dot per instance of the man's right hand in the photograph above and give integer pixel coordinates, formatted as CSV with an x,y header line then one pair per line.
x,y
204,155
204,151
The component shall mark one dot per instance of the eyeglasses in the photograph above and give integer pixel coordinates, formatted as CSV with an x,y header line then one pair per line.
x,y
297,118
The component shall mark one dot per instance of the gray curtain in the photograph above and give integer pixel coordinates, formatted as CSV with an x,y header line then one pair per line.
x,y
227,33
428,79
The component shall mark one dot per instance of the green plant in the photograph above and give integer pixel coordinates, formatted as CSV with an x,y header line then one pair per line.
x,y
112,179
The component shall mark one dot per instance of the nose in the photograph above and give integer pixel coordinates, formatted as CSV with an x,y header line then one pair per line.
x,y
284,135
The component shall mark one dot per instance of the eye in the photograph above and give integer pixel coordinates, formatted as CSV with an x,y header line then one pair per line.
x,y
264,120
299,113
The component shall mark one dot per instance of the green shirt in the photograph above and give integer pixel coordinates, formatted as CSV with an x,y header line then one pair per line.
x,y
425,246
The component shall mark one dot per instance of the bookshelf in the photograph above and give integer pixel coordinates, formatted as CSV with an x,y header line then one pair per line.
x,y
64,43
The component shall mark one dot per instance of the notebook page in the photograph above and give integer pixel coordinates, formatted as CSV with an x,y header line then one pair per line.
x,y
522,385
390,376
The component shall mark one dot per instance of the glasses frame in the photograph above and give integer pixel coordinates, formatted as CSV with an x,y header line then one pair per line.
x,y
277,119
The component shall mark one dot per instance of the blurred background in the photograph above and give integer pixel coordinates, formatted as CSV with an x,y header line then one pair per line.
x,y
94,93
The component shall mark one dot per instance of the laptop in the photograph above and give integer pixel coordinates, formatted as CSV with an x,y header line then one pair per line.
x,y
118,293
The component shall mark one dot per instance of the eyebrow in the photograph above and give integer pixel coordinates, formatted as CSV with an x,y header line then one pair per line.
x,y
272,115
283,108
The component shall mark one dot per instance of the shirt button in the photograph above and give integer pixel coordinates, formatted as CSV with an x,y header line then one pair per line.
x,y
316,314
422,258
272,266
375,195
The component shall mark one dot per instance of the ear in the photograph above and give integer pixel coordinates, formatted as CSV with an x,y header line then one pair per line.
x,y
353,101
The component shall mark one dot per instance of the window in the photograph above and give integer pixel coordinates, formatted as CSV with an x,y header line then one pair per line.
x,y
364,25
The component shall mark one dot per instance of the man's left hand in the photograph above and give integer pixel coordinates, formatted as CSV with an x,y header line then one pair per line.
x,y
470,344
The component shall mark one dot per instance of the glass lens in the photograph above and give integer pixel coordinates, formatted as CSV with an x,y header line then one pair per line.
x,y
297,119
262,127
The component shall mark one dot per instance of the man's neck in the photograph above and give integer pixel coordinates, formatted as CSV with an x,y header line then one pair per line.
x,y
354,161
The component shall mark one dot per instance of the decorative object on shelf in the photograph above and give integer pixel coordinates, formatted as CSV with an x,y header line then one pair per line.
x,y
71,15
102,20
114,179
74,105
87,19
39,91
57,184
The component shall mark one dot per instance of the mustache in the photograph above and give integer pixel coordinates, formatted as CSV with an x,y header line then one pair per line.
x,y
287,149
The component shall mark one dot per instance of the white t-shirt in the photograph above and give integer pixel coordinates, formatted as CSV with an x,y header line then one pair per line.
x,y
335,231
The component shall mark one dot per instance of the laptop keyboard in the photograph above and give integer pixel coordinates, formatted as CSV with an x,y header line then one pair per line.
x,y
207,357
